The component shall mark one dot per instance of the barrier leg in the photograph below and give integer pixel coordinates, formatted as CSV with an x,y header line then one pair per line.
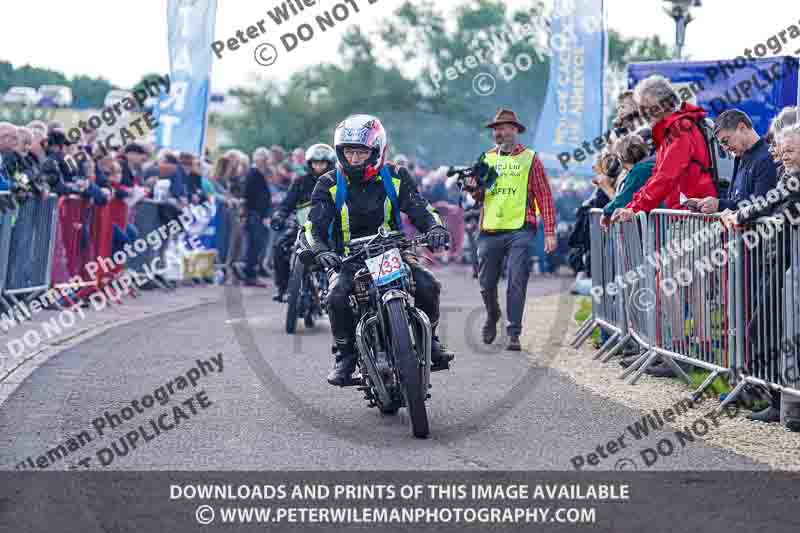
x,y
616,349
677,369
635,377
14,303
582,329
612,340
703,386
734,393
636,364
585,335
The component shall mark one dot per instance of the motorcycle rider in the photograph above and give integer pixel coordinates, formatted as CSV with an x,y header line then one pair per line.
x,y
320,159
369,193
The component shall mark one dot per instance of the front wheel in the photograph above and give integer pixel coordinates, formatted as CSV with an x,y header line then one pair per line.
x,y
293,301
405,357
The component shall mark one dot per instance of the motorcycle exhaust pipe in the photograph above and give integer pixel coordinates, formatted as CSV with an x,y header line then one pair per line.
x,y
427,339
369,358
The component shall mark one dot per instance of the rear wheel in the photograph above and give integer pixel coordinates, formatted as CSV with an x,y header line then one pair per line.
x,y
293,294
405,358
308,320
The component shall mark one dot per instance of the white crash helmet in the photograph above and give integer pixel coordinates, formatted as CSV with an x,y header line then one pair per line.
x,y
363,131
321,152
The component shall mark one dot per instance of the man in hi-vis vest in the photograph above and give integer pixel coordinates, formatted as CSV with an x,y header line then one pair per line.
x,y
514,192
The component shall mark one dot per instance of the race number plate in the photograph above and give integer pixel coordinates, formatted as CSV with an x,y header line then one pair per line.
x,y
386,267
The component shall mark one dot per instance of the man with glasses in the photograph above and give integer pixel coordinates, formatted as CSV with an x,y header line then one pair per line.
x,y
754,171
514,192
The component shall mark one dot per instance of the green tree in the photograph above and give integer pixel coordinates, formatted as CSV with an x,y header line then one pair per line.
x,y
89,92
86,91
436,115
622,51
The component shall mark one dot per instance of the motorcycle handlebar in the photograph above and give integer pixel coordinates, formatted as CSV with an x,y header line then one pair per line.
x,y
403,243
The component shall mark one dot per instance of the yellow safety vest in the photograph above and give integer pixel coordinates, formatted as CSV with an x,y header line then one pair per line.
x,y
505,203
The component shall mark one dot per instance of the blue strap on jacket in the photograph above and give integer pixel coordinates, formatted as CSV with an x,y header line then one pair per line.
x,y
388,186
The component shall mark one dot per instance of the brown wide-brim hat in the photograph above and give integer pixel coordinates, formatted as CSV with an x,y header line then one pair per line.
x,y
506,116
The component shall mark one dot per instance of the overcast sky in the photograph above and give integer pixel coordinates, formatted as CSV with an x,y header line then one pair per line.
x,y
121,39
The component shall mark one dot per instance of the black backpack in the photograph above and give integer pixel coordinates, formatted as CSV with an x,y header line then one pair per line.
x,y
715,151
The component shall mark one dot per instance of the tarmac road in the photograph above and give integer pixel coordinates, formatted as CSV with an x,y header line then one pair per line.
x,y
270,408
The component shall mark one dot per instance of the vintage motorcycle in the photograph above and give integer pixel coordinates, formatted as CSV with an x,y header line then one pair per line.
x,y
393,338
307,288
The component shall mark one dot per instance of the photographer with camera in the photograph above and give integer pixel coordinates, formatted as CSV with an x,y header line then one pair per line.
x,y
510,181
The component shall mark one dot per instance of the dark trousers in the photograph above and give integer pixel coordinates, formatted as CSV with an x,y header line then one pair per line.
x,y
256,241
281,255
343,321
492,250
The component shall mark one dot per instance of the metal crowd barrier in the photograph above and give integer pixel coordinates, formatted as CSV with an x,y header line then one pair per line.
x,y
146,218
74,247
768,317
638,287
6,224
609,312
694,286
690,290
31,249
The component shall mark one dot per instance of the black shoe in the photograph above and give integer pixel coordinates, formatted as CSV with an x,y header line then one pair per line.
x,y
631,349
280,296
440,355
768,415
237,272
489,330
513,344
628,360
343,368
661,370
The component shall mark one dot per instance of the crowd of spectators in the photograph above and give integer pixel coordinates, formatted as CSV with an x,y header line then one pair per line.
x,y
661,157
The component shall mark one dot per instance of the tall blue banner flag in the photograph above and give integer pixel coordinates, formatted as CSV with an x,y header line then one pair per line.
x,y
573,107
182,113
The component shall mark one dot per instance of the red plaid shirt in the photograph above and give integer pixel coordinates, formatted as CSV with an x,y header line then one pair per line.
x,y
538,193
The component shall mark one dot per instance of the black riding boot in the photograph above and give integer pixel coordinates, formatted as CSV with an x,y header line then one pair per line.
x,y
440,355
493,314
344,364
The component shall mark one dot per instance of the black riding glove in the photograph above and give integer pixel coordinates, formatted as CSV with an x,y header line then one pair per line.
x,y
329,260
438,238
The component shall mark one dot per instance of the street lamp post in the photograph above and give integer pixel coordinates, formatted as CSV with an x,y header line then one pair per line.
x,y
679,11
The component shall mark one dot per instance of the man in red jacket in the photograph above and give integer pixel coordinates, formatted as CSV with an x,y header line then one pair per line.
x,y
682,159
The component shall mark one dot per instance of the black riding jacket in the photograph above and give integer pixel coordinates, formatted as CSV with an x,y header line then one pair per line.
x,y
365,204
298,195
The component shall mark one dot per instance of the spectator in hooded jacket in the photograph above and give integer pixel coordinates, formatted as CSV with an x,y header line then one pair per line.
x,y
682,159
